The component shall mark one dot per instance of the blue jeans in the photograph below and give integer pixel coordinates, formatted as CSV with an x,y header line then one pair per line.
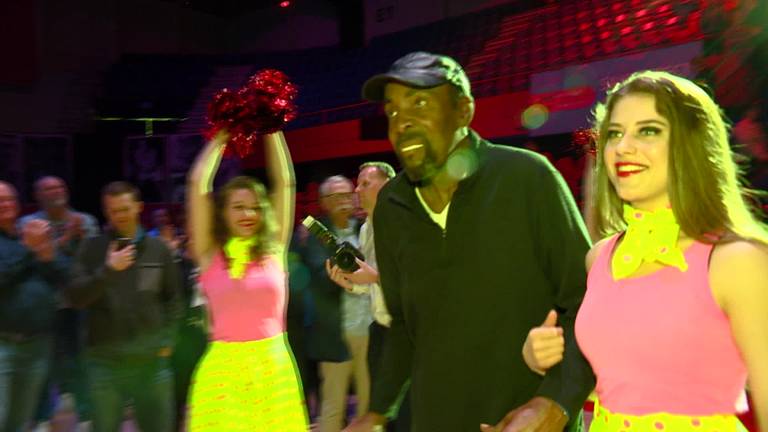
x,y
23,367
67,372
149,385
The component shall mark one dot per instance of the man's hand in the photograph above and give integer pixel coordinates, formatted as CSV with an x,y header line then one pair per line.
x,y
35,233
364,275
168,232
119,260
370,422
36,236
168,235
75,228
538,415
338,276
544,346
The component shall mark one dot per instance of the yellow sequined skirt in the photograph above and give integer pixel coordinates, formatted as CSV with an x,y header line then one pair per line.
x,y
247,386
604,420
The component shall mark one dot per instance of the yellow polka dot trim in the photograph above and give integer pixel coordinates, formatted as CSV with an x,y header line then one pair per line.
x,y
607,421
650,237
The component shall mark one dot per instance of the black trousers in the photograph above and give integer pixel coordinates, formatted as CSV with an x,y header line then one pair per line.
x,y
377,333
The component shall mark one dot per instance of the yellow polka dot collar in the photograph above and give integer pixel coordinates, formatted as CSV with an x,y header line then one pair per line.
x,y
650,237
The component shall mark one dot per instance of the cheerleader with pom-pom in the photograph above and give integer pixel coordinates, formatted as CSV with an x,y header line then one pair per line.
x,y
247,380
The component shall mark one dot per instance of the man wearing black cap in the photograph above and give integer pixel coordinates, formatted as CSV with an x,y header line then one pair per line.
x,y
475,244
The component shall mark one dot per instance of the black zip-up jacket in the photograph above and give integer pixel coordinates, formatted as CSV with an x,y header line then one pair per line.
x,y
131,314
27,289
463,299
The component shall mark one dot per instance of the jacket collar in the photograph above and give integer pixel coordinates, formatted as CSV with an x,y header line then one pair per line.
x,y
9,235
402,191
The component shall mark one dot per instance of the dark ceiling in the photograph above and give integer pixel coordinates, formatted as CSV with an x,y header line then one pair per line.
x,y
227,7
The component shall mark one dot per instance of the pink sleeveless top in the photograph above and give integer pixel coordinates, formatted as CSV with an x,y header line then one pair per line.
x,y
247,309
660,343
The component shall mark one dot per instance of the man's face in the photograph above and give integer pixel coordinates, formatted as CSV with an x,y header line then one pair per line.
x,y
51,192
122,212
9,205
160,218
338,199
369,182
424,126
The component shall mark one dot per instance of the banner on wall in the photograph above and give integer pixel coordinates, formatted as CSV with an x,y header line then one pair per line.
x,y
562,92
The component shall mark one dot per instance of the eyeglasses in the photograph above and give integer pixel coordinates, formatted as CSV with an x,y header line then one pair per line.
x,y
339,196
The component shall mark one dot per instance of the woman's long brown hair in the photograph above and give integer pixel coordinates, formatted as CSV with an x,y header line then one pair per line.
x,y
706,187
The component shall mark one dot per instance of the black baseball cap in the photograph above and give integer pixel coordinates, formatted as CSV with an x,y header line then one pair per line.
x,y
420,70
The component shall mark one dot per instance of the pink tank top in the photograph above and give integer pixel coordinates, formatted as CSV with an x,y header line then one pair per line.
x,y
660,343
247,309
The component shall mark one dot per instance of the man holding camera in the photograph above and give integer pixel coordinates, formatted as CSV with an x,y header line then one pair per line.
x,y
365,280
129,285
475,244
338,332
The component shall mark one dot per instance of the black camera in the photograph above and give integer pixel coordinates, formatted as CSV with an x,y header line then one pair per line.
x,y
123,242
343,254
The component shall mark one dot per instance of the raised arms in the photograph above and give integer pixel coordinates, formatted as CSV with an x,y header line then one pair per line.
x,y
200,201
283,186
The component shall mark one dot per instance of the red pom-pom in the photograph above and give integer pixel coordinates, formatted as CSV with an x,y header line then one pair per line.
x,y
264,105
585,140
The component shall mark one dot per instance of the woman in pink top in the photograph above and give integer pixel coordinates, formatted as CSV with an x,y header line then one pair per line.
x,y
247,380
674,321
